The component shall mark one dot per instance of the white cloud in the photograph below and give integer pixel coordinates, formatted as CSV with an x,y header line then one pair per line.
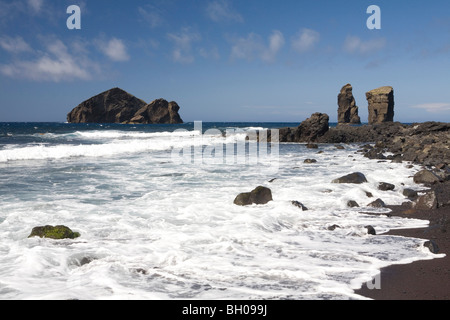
x,y
253,47
183,41
221,10
212,53
356,45
114,49
305,40
55,64
14,45
35,5
276,42
434,107
151,15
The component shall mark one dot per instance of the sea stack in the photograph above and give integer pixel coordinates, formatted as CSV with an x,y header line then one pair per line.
x,y
118,106
348,111
381,105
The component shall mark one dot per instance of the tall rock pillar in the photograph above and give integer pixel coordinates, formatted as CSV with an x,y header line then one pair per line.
x,y
381,105
348,111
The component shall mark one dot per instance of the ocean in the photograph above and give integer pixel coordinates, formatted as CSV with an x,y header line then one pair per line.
x,y
154,207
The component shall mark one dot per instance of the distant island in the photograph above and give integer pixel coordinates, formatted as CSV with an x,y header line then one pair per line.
x,y
118,106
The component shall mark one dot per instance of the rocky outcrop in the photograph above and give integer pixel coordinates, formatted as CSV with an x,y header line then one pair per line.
x,y
260,195
309,130
159,111
118,106
427,143
347,111
57,233
381,105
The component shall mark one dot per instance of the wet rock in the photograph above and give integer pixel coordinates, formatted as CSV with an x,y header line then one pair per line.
x,y
333,227
442,192
261,195
432,246
312,146
355,178
309,161
425,177
299,205
384,186
371,230
377,204
427,202
316,126
51,232
308,131
410,194
352,204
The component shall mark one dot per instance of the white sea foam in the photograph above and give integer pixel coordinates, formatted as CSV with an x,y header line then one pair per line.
x,y
155,230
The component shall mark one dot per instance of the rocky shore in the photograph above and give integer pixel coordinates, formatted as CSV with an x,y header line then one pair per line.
x,y
426,144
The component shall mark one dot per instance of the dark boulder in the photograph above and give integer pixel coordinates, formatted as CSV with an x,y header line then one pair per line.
x,y
314,127
384,186
309,130
426,177
410,194
299,205
260,195
428,201
352,204
377,204
355,178
432,246
371,230
333,227
309,161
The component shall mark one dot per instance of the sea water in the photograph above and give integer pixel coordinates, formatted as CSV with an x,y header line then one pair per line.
x,y
154,227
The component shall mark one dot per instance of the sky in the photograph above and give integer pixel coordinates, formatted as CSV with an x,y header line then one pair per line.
x,y
225,60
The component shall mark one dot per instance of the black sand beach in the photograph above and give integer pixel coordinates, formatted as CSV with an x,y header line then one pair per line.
x,y
421,280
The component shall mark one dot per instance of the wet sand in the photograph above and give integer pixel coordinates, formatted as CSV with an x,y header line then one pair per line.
x,y
421,280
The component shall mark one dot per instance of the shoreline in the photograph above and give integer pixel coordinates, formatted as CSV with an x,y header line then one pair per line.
x,y
419,280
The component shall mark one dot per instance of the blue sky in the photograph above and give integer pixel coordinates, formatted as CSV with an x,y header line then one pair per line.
x,y
225,60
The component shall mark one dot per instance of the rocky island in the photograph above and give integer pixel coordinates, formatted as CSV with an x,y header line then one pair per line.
x,y
118,106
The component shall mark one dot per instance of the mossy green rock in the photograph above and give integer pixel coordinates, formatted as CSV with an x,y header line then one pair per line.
x,y
57,233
